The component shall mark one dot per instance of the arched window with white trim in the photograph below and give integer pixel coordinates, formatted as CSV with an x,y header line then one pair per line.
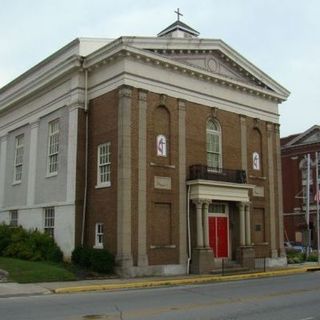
x,y
214,154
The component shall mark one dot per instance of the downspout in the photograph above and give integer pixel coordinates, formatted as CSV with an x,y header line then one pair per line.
x,y
188,230
84,209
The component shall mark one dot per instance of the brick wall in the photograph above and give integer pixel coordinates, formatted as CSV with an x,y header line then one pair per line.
x,y
163,204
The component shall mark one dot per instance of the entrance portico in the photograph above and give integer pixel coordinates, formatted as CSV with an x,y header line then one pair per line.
x,y
212,228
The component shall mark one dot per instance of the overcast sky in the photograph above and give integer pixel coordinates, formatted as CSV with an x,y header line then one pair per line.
x,y
281,37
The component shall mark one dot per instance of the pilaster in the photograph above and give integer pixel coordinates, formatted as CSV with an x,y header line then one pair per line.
x,y
182,183
3,157
142,181
72,153
270,155
244,144
124,255
34,128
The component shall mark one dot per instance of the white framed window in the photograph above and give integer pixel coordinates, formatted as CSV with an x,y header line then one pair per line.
x,y
18,158
49,217
53,146
99,235
14,218
214,156
104,165
220,208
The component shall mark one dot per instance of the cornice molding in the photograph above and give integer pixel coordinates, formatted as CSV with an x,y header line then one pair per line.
x,y
196,45
110,55
36,82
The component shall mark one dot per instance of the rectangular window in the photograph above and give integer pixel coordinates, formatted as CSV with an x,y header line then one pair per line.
x,y
18,159
217,208
99,235
49,221
14,218
53,146
104,165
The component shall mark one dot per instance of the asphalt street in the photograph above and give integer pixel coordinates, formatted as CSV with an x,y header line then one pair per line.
x,y
290,297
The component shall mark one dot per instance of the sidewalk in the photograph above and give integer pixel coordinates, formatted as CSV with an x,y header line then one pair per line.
x,y
10,289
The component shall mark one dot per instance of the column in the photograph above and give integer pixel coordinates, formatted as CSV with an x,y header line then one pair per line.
x,y
182,183
270,154
280,191
242,224
244,147
198,204
34,128
248,225
3,157
124,255
72,154
206,224
142,181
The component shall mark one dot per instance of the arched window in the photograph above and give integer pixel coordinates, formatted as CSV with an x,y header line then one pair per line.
x,y
161,130
213,145
256,152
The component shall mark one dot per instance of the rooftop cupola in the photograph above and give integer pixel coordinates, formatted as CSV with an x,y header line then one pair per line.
x,y
178,29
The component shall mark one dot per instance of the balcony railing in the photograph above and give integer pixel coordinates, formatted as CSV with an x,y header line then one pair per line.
x,y
217,174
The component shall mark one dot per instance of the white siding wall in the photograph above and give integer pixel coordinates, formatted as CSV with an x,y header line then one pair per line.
x,y
36,190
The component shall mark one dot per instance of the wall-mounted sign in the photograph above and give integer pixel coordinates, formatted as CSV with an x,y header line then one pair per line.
x,y
256,161
161,145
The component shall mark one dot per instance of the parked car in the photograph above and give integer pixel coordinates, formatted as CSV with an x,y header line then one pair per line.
x,y
295,246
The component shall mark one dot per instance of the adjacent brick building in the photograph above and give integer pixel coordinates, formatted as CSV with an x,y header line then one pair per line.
x,y
164,150
294,154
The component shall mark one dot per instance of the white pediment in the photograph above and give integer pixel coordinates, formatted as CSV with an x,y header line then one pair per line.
x,y
310,136
214,64
314,138
198,56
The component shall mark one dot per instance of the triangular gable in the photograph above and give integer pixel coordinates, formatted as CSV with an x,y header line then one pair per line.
x,y
231,63
310,136
206,58
214,63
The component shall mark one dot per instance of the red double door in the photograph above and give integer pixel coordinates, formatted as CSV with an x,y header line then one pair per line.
x,y
218,236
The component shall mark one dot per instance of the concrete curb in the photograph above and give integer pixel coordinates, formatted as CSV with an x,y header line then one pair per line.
x,y
184,281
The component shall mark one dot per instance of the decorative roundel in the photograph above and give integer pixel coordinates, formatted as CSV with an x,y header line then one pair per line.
x,y
212,64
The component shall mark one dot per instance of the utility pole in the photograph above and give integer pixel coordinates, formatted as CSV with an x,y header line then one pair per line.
x,y
317,201
308,205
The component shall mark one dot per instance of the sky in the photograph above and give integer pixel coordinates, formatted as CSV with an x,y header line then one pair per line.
x,y
281,37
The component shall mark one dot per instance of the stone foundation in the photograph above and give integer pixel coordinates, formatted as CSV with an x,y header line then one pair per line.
x,y
202,261
246,257
147,271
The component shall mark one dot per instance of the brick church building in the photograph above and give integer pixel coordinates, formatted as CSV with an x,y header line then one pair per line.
x,y
164,150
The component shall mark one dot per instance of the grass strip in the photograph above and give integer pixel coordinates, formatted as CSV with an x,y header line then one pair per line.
x,y
22,271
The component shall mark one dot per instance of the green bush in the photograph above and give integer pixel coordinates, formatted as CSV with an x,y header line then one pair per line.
x,y
28,245
313,257
98,260
5,237
101,261
81,256
295,257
